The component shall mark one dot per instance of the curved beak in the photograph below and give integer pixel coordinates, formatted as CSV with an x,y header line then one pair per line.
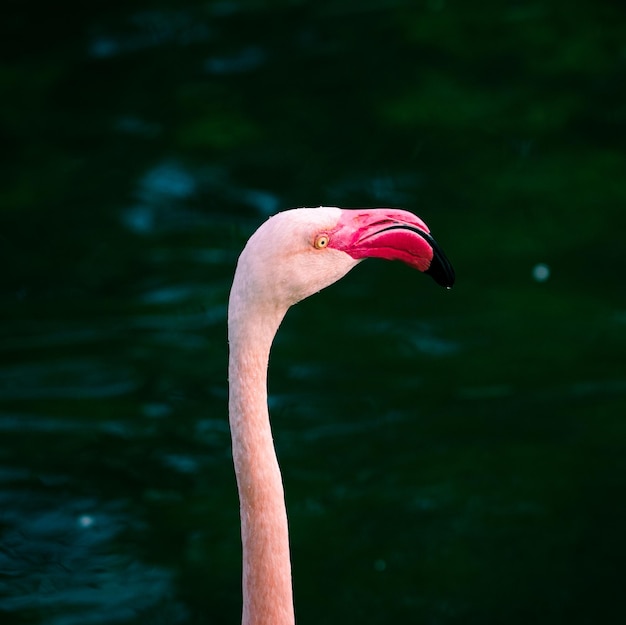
x,y
392,234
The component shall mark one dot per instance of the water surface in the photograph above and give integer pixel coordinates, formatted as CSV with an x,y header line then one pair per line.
x,y
448,457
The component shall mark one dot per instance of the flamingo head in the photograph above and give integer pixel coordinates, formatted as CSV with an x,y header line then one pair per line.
x,y
298,252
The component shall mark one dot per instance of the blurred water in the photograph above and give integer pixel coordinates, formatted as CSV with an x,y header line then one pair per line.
x,y
448,457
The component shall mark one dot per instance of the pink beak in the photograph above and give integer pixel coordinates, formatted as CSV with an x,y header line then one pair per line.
x,y
392,234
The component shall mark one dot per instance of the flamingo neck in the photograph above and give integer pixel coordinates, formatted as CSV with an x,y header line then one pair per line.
x,y
267,590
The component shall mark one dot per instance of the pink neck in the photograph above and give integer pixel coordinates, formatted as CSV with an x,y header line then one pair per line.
x,y
267,591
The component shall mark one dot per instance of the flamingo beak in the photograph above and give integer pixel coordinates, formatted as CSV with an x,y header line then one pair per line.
x,y
392,234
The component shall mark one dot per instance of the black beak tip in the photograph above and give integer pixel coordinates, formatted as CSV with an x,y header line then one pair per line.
x,y
441,270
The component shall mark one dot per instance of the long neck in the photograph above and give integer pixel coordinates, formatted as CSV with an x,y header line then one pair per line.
x,y
267,591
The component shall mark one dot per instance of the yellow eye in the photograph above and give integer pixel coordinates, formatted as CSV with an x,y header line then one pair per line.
x,y
321,241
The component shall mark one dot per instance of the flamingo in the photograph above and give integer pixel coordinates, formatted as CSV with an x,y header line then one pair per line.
x,y
293,255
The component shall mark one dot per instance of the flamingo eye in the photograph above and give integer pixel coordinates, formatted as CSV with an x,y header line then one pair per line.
x,y
321,241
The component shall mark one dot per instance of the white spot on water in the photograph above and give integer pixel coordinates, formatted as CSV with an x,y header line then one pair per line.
x,y
541,272
85,521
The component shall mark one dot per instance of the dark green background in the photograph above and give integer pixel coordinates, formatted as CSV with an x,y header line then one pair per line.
x,y
448,457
